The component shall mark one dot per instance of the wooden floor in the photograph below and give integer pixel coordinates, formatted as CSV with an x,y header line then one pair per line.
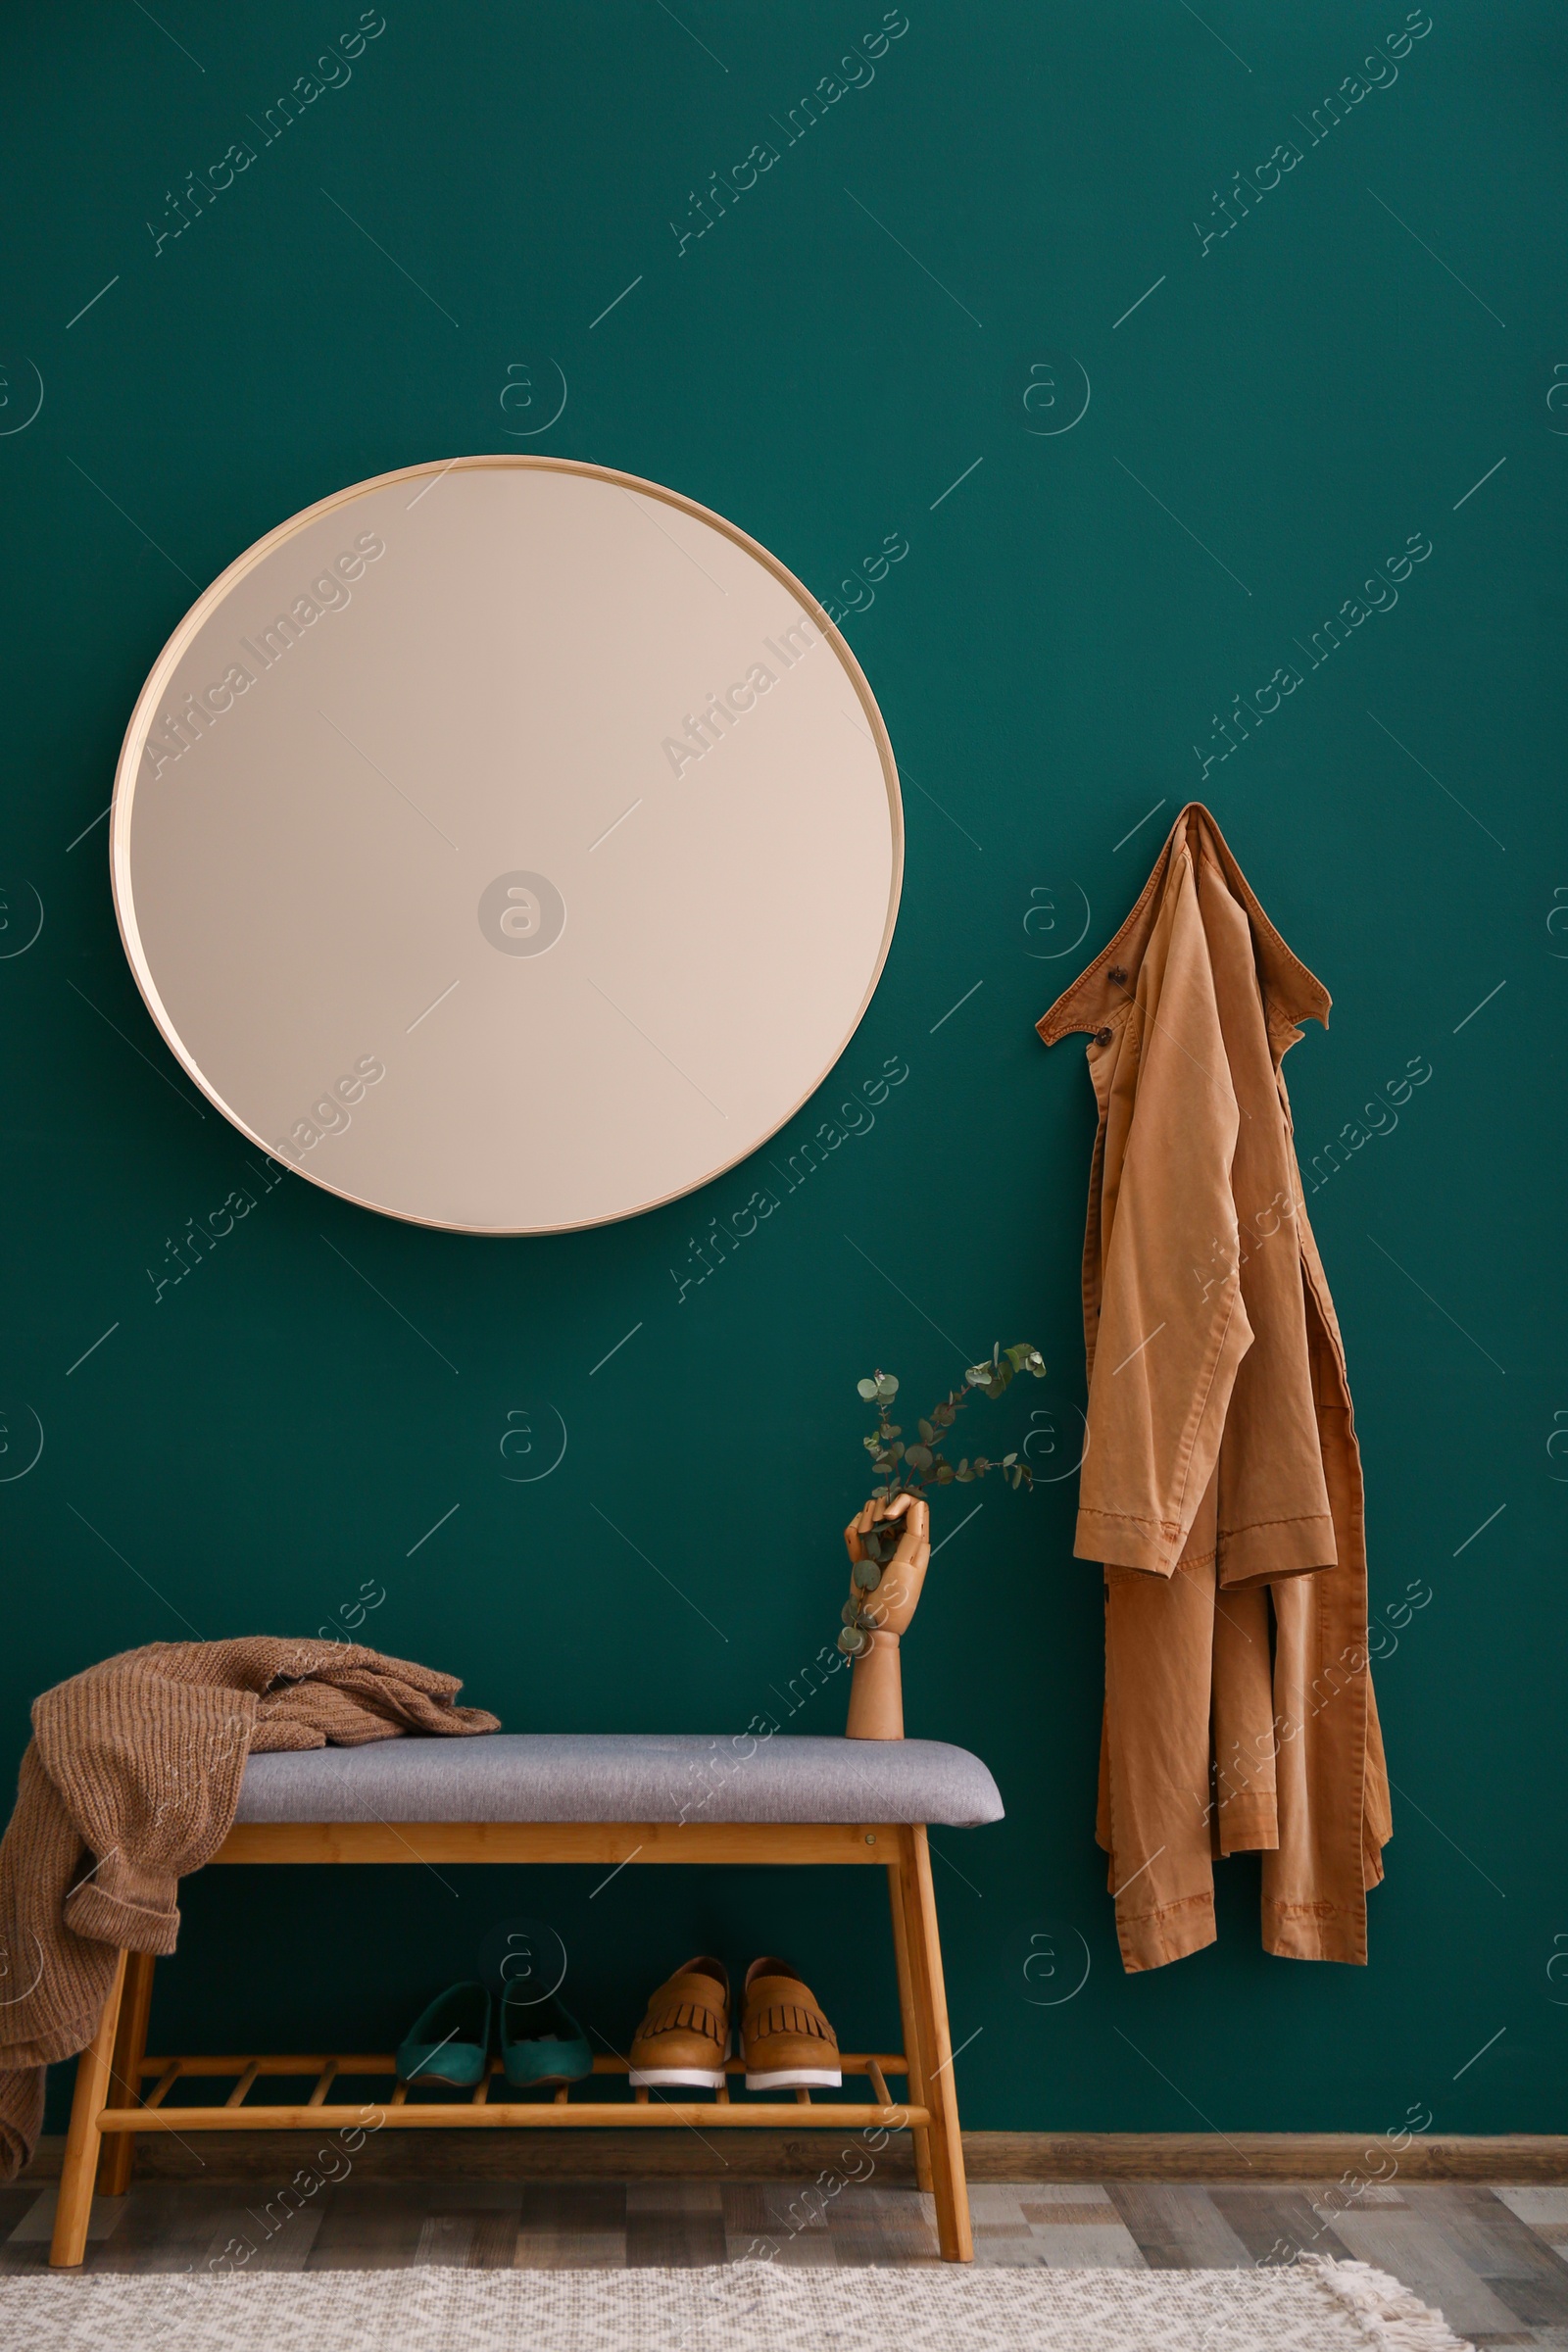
x,y
1493,2260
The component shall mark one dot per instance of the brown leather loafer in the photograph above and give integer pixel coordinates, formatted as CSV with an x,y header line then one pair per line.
x,y
683,2039
787,2043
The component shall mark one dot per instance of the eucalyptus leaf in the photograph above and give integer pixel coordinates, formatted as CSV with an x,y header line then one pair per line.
x,y
865,1389
867,1575
853,1643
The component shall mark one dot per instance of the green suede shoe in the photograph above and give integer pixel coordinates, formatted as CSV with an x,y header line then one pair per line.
x,y
541,2043
450,2041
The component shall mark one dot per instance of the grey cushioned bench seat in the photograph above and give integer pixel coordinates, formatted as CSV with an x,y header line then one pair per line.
x,y
623,1776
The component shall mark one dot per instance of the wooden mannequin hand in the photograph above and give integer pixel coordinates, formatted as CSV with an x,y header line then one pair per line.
x,y
894,1603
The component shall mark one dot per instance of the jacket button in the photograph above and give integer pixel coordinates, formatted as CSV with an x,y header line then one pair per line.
x,y
1118,975
1102,1036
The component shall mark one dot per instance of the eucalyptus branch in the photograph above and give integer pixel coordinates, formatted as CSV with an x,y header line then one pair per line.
x,y
910,1469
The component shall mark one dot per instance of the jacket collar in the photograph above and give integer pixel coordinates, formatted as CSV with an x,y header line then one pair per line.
x,y
1291,994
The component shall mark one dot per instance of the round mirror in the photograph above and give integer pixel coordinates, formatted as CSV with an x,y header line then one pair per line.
x,y
508,845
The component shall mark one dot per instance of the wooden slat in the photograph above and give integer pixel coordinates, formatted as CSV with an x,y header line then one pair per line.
x,y
329,2074
267,2064
236,2097
596,1842
400,2112
172,2068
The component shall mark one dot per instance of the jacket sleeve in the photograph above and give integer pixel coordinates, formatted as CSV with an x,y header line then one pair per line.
x,y
1172,1326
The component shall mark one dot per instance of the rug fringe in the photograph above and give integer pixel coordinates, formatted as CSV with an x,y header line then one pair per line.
x,y
1394,2319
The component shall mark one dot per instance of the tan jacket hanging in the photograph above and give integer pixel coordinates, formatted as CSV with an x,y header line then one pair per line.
x,y
1221,1483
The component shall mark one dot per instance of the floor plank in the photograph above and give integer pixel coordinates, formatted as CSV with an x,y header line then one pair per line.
x,y
495,2239
165,2229
1177,2226
675,2225
1542,2210
373,2227
1073,2225
240,2242
1413,2245
772,2221
1523,2271
871,2225
1276,2223
571,2224
37,2225
446,2239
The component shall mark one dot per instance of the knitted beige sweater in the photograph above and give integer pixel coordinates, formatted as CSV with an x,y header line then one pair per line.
x,y
131,1780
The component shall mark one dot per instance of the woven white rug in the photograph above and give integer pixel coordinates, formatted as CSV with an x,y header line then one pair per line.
x,y
1314,2306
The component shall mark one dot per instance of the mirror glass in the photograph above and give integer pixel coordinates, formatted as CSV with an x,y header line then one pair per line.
x,y
509,845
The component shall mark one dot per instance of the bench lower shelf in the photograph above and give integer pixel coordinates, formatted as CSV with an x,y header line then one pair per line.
x,y
841,2116
400,2112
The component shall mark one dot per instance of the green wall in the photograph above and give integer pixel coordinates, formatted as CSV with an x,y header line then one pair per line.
x,y
1288,406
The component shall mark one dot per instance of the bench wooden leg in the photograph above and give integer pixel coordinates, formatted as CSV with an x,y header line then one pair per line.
x,y
84,2139
948,2184
124,2073
911,2027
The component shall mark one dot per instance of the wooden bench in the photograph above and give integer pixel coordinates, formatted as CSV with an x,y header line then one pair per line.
x,y
599,1801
